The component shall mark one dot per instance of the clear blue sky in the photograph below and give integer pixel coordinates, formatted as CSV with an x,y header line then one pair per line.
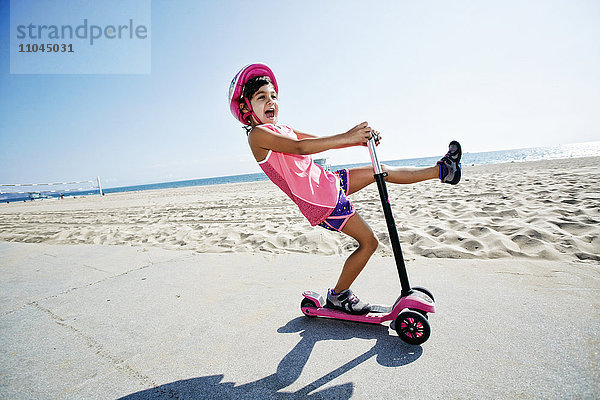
x,y
495,75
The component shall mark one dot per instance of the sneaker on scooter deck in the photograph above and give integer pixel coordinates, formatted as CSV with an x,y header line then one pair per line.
x,y
346,301
450,167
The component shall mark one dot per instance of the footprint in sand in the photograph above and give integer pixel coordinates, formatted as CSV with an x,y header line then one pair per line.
x,y
574,228
472,245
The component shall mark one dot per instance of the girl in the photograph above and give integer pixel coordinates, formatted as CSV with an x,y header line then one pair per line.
x,y
283,154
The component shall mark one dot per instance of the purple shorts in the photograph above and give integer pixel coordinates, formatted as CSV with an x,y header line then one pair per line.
x,y
343,209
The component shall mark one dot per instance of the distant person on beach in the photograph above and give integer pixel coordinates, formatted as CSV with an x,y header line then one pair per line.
x,y
284,153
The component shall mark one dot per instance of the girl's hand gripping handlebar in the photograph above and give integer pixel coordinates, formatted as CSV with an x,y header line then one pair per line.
x,y
371,143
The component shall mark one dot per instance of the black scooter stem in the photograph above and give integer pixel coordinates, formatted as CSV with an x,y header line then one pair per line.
x,y
393,232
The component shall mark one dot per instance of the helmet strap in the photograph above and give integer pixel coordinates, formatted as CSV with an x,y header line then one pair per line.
x,y
250,112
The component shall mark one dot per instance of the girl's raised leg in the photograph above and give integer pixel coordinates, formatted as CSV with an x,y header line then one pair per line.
x,y
360,177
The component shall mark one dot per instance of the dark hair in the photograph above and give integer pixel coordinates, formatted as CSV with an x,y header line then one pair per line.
x,y
254,84
250,88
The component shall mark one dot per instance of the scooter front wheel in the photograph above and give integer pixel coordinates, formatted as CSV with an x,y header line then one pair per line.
x,y
412,327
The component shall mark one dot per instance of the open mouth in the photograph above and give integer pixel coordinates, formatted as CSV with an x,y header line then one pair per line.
x,y
270,113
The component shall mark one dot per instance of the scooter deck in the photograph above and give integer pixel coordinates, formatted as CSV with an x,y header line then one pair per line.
x,y
381,315
378,308
378,314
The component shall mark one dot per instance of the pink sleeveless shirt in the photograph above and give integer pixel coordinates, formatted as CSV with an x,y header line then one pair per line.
x,y
313,189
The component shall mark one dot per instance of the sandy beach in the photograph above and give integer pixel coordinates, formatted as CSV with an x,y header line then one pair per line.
x,y
542,210
194,292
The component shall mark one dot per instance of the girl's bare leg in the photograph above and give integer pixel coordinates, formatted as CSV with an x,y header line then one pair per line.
x,y
357,228
360,177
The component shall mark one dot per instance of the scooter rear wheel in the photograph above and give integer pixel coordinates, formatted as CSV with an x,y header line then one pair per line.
x,y
307,303
412,327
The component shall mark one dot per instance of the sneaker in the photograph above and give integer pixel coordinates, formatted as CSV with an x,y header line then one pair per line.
x,y
450,167
347,302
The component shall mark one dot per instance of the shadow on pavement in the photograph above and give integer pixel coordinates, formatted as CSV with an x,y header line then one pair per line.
x,y
389,351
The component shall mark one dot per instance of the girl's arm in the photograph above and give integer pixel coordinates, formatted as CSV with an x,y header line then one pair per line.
x,y
303,135
306,143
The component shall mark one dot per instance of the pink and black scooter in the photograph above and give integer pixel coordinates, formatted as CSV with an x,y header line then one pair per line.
x,y
408,315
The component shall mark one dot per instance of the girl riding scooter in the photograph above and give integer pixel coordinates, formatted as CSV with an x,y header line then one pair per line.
x,y
284,153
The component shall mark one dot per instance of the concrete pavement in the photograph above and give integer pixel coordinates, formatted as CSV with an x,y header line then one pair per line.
x,y
108,322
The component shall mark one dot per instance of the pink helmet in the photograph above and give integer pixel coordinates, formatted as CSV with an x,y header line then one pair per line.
x,y
237,87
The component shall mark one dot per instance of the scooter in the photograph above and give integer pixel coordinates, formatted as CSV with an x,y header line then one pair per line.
x,y
409,313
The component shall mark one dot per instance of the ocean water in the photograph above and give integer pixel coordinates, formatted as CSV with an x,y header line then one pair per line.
x,y
575,150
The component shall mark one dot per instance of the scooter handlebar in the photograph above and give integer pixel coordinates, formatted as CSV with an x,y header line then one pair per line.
x,y
374,160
